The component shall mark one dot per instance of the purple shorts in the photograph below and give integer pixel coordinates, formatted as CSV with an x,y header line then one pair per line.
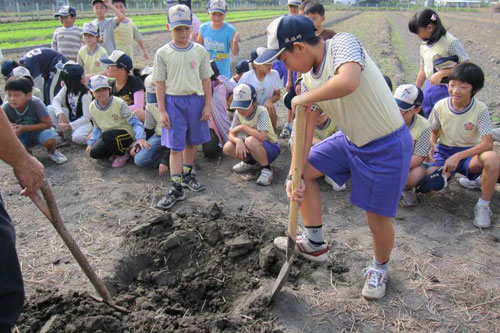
x,y
272,151
186,127
379,169
433,94
443,152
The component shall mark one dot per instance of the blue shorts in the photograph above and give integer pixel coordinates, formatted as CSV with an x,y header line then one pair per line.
x,y
443,152
272,151
32,139
185,125
379,169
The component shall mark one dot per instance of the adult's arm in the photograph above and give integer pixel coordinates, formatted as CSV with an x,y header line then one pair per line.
x,y
27,169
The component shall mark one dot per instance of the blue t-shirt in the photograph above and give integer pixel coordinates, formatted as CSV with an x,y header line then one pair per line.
x,y
34,112
218,45
42,61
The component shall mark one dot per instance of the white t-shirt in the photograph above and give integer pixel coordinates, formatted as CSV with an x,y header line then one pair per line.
x,y
265,88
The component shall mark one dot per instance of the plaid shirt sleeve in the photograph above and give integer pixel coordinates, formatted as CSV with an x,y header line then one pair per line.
x,y
263,122
303,89
149,121
434,119
423,143
346,48
159,67
205,68
484,123
458,49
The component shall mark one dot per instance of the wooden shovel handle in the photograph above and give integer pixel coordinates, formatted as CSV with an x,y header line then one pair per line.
x,y
298,162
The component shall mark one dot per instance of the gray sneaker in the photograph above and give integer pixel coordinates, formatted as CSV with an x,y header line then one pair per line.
x,y
266,176
470,184
482,217
191,183
172,196
58,157
375,284
244,167
409,197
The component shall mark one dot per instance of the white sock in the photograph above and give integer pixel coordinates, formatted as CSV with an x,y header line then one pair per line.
x,y
483,203
382,267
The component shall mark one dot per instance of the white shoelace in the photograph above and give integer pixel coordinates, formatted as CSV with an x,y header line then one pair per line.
x,y
374,276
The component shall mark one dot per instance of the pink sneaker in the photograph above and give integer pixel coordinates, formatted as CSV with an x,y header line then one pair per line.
x,y
120,161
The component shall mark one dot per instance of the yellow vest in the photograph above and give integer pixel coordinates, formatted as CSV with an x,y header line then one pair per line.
x,y
441,48
111,118
124,38
459,129
366,114
155,113
91,63
324,133
271,136
418,125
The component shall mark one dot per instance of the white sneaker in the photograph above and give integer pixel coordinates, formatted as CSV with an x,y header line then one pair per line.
x,y
266,176
482,216
470,184
58,157
304,248
244,167
335,186
375,284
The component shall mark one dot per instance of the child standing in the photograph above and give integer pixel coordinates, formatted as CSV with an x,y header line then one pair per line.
x,y
373,145
91,52
69,110
115,126
106,26
184,67
316,12
260,147
409,99
267,84
29,118
437,44
463,127
126,33
219,38
67,39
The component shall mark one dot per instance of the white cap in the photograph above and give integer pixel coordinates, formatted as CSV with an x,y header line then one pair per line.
x,y
21,71
90,28
294,3
179,15
408,96
243,96
150,90
217,6
98,82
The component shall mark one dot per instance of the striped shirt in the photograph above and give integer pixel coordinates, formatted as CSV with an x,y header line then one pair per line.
x,y
67,41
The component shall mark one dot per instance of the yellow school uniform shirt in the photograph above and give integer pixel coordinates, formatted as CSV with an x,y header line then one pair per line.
x,y
183,69
259,120
153,112
111,118
464,128
369,112
440,48
125,34
326,131
90,61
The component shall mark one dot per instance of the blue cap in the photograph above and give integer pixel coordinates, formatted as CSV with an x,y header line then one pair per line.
x,y
243,96
436,181
217,6
283,32
118,58
8,66
242,66
66,11
71,69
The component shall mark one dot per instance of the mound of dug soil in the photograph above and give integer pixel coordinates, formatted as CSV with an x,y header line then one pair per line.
x,y
184,272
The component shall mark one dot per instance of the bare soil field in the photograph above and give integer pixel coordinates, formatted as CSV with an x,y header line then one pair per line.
x,y
206,266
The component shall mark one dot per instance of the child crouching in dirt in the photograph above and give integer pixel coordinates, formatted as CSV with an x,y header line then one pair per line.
x,y
260,147
461,139
409,99
184,67
157,155
115,126
374,145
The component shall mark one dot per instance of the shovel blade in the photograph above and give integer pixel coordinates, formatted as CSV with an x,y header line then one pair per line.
x,y
285,269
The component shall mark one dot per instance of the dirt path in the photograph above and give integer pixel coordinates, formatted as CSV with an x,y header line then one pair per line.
x,y
444,272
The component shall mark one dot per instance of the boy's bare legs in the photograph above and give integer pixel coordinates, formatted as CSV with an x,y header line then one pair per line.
x,y
50,144
488,164
415,176
310,207
176,193
257,150
188,155
382,236
175,162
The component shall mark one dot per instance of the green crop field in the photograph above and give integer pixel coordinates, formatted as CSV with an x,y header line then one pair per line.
x,y
24,34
